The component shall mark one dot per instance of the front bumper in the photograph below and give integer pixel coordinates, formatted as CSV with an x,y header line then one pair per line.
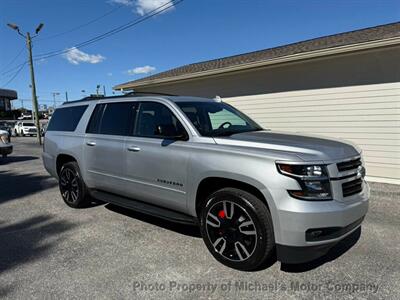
x,y
6,149
30,132
294,219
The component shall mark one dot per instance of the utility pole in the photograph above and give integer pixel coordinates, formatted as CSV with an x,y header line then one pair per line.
x,y
104,90
28,39
34,98
66,96
54,98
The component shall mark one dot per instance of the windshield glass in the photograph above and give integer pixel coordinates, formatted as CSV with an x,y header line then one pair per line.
x,y
217,118
28,124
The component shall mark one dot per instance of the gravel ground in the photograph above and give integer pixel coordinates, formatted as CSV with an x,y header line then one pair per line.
x,y
48,250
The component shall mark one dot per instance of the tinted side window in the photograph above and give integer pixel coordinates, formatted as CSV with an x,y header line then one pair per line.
x,y
93,126
156,120
117,118
66,119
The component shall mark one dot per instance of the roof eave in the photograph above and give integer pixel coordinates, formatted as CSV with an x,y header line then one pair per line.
x,y
279,60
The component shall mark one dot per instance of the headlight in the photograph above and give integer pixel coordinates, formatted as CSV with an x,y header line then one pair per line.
x,y
4,138
313,180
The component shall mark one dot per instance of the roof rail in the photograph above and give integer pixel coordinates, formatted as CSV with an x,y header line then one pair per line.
x,y
130,94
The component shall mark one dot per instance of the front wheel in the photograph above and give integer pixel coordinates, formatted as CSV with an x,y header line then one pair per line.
x,y
237,229
72,188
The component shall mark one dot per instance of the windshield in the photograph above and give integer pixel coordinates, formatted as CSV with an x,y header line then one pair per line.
x,y
217,118
28,124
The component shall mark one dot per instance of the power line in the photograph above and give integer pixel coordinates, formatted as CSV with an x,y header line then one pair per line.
x,y
11,62
15,75
116,30
14,68
81,26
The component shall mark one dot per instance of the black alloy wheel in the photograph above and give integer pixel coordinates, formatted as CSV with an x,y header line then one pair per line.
x,y
231,230
237,229
73,189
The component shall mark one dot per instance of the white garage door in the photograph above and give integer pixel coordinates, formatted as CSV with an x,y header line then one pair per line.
x,y
368,115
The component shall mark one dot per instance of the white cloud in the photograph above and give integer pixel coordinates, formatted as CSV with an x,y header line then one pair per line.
x,y
76,56
109,74
145,6
123,2
141,70
142,7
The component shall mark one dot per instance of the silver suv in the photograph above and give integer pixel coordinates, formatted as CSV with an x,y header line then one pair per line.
x,y
252,191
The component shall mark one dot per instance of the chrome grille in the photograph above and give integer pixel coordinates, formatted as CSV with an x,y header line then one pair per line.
x,y
352,187
349,165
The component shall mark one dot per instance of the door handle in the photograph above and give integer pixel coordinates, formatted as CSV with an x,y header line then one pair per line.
x,y
133,149
91,144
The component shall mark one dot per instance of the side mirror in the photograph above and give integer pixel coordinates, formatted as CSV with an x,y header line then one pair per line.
x,y
170,132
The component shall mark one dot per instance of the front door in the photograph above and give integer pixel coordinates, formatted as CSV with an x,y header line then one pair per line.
x,y
157,157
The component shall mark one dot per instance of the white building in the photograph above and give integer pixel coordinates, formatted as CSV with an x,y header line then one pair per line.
x,y
345,85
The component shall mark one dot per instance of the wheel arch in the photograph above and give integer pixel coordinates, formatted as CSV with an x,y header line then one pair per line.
x,y
62,159
210,184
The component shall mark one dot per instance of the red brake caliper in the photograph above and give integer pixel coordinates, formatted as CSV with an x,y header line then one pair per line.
x,y
221,214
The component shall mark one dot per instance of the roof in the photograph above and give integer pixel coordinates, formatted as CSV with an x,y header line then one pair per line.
x,y
377,33
9,94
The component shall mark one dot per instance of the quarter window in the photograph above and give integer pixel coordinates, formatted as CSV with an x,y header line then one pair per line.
x,y
67,118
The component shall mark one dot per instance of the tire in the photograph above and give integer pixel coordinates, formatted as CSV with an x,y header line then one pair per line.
x,y
246,236
72,187
4,155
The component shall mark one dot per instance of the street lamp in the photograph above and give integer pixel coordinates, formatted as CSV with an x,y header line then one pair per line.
x,y
28,39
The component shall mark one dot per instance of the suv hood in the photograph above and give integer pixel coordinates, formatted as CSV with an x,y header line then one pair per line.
x,y
306,147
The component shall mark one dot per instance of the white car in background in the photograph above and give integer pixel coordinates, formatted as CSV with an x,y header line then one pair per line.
x,y
25,117
23,128
5,146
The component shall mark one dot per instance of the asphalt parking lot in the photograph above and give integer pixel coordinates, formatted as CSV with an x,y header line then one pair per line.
x,y
48,250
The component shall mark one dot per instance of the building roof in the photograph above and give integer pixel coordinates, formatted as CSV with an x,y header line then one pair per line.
x,y
9,94
377,33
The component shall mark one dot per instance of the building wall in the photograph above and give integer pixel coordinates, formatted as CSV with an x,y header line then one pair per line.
x,y
367,115
5,104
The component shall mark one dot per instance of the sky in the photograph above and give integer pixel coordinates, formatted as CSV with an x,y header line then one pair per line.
x,y
191,31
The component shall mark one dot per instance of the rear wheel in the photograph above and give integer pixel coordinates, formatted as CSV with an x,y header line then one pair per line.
x,y
72,188
237,229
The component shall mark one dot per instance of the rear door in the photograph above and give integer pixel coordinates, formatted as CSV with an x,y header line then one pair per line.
x,y
157,157
104,145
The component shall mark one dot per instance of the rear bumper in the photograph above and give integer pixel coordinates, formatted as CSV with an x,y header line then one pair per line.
x,y
49,164
6,149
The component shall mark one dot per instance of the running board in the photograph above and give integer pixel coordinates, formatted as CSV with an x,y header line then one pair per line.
x,y
143,207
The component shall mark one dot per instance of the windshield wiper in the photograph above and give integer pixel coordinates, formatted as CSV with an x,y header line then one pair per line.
x,y
231,132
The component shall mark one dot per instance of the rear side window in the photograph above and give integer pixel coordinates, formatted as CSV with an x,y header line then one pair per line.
x,y
93,126
67,118
112,118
